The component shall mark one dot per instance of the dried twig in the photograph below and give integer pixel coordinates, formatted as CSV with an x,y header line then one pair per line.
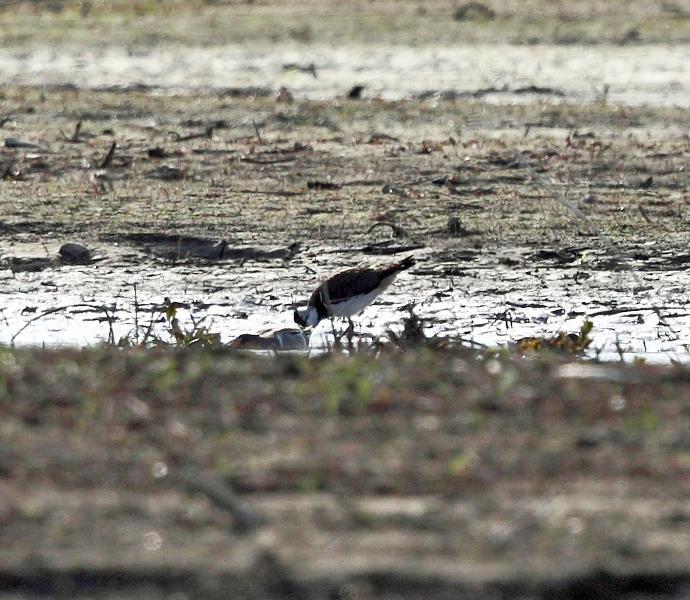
x,y
189,472
136,315
155,312
389,188
593,227
220,494
383,249
57,309
397,230
270,161
286,193
109,157
627,309
258,133
207,133
643,212
77,129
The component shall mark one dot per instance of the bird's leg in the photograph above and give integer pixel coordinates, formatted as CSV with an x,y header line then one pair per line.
x,y
350,329
336,335
349,333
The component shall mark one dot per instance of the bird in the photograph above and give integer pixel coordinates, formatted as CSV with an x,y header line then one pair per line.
x,y
347,293
288,338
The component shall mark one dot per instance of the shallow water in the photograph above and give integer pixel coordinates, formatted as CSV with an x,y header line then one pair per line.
x,y
653,74
490,304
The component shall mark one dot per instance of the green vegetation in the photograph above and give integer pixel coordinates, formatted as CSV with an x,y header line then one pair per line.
x,y
168,394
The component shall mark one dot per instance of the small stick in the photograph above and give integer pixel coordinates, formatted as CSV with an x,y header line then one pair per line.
x,y
209,484
77,129
111,332
643,212
187,470
608,242
109,157
258,133
51,311
136,315
272,161
149,329
208,132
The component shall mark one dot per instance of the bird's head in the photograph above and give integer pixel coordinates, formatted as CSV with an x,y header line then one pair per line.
x,y
307,317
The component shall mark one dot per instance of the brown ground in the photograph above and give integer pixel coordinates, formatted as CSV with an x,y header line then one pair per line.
x,y
344,180
319,172
415,475
418,474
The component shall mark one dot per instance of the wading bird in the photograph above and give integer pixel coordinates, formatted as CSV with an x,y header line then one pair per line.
x,y
347,293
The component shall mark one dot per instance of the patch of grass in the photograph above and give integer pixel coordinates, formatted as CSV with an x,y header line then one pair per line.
x,y
567,343
386,418
197,334
348,388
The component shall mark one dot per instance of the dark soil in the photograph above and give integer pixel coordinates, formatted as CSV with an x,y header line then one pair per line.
x,y
417,474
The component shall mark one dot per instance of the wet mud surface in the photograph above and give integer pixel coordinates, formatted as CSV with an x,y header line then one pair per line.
x,y
193,205
654,74
164,146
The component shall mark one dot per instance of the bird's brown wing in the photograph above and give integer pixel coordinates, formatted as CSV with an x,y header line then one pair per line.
x,y
354,282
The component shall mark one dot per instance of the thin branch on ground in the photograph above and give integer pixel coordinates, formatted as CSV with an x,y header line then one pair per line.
x,y
57,309
136,315
109,157
258,132
593,227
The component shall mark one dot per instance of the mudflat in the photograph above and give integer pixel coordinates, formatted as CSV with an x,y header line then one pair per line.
x,y
466,186
209,154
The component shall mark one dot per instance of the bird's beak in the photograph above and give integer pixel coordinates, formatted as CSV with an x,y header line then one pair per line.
x,y
299,318
296,314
